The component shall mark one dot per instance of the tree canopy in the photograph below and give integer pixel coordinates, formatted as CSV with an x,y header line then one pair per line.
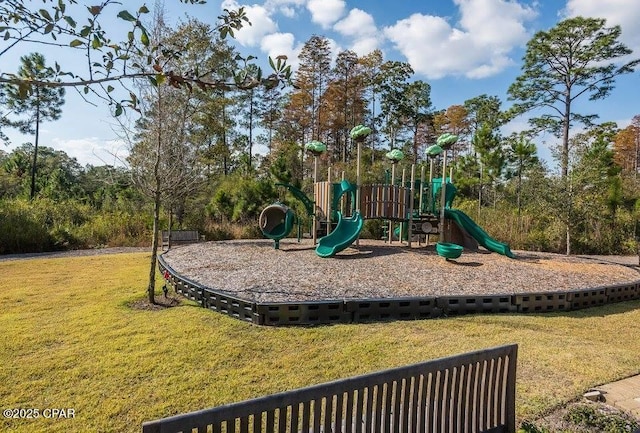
x,y
579,56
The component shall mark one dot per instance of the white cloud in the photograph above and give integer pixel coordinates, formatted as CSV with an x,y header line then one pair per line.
x,y
92,150
360,26
326,12
357,23
625,13
497,23
288,12
365,45
288,8
261,23
478,47
277,44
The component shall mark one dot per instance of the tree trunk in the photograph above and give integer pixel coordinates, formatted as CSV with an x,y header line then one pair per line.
x,y
518,195
169,239
154,248
565,154
250,167
35,147
157,188
564,161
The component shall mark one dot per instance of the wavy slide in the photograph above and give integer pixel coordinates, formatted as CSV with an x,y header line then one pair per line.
x,y
345,233
478,233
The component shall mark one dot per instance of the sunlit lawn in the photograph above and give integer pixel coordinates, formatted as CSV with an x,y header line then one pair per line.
x,y
69,340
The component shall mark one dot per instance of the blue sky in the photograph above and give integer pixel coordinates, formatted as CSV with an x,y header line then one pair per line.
x,y
462,48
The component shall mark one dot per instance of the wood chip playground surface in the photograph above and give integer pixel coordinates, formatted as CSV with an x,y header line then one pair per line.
x,y
253,270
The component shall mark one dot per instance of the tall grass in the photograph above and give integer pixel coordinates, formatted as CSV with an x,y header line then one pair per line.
x,y
47,225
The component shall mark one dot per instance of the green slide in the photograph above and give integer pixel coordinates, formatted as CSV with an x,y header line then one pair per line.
x,y
341,237
477,232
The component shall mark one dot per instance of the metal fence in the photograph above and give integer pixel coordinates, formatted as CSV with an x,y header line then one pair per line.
x,y
471,392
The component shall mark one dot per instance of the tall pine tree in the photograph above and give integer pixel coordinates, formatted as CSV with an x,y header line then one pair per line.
x,y
38,103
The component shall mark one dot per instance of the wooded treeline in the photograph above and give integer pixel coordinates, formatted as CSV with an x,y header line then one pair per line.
x,y
211,158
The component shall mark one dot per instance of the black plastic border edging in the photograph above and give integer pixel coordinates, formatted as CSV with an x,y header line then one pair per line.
x,y
375,310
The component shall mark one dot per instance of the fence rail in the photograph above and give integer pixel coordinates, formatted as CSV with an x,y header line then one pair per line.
x,y
471,392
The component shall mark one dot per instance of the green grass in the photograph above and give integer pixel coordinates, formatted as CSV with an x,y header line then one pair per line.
x,y
69,340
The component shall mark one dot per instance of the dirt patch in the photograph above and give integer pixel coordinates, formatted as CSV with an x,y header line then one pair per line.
x,y
162,303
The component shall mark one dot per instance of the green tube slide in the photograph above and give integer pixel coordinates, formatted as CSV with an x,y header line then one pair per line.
x,y
345,233
465,222
276,221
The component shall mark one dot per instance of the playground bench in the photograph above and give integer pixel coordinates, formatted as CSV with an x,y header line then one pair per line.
x,y
474,391
179,237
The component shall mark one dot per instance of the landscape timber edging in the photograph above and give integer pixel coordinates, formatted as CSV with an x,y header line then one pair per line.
x,y
324,312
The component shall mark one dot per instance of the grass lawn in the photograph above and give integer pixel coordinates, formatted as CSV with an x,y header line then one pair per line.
x,y
68,339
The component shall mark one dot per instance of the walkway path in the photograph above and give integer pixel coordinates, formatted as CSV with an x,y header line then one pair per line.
x,y
623,394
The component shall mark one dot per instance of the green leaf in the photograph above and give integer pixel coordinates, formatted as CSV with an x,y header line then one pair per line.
x,y
96,43
144,38
48,28
70,21
45,14
118,110
160,79
143,9
7,35
75,43
125,15
130,36
110,89
86,89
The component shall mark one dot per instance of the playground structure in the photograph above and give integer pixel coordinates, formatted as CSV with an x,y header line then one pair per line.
x,y
378,282
418,208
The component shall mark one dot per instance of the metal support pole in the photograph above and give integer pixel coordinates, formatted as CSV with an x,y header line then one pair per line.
x,y
411,190
315,214
403,216
328,218
443,195
357,206
420,201
391,197
431,184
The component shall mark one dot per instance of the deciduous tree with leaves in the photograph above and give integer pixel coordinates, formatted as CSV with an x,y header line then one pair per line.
x,y
113,60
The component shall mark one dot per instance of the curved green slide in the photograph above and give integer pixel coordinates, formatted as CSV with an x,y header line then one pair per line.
x,y
477,232
345,233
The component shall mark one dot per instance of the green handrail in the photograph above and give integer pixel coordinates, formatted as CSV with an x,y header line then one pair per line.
x,y
297,193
